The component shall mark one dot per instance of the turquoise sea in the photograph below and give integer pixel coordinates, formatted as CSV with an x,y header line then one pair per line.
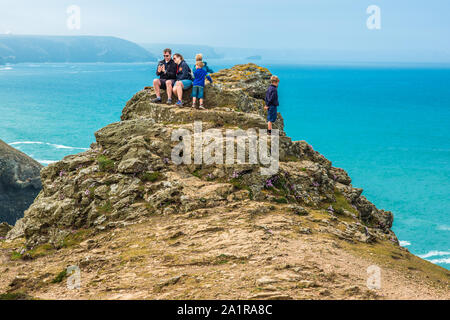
x,y
388,126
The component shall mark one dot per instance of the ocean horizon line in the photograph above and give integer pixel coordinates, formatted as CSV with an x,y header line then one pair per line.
x,y
263,62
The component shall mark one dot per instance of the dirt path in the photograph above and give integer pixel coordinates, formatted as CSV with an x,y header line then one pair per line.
x,y
232,254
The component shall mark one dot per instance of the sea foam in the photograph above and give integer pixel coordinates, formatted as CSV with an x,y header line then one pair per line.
x,y
44,162
57,146
444,260
435,254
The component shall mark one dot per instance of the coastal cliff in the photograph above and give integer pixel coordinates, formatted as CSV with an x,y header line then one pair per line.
x,y
63,49
140,226
19,183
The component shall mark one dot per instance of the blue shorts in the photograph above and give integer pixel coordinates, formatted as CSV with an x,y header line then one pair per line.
x,y
272,114
186,84
197,92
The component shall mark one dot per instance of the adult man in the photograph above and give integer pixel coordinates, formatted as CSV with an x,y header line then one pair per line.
x,y
272,103
167,72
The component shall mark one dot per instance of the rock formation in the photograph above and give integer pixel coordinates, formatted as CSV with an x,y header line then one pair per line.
x,y
140,226
4,229
127,174
19,183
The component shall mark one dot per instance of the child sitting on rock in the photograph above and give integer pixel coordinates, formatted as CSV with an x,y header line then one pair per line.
x,y
198,88
272,103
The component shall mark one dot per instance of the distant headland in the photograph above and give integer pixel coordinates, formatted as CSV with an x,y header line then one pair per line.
x,y
57,49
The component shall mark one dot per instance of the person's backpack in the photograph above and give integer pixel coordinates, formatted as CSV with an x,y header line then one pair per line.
x,y
191,73
208,69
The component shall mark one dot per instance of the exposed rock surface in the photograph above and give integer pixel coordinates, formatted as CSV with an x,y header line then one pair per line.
x,y
124,207
19,183
4,229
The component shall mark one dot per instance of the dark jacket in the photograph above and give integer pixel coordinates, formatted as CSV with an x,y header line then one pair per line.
x,y
183,71
272,96
199,77
171,70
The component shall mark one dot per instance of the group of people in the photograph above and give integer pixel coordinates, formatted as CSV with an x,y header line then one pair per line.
x,y
175,76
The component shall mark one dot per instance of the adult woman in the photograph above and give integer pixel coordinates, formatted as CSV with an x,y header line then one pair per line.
x,y
184,78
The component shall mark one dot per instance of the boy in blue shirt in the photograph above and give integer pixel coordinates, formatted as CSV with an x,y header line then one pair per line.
x,y
198,88
199,57
272,103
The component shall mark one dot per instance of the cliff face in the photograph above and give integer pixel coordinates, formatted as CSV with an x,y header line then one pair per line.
x,y
19,183
23,48
178,231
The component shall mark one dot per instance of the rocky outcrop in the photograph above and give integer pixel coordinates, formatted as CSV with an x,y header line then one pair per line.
x,y
127,175
4,229
19,183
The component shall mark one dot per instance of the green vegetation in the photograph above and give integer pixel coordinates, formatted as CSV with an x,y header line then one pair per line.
x,y
387,254
224,258
151,176
292,159
15,255
60,276
75,238
281,200
106,208
15,296
41,251
105,164
197,174
338,210
341,205
279,187
250,193
237,184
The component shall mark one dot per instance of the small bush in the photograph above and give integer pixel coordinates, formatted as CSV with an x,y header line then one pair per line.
x,y
75,238
338,210
60,276
237,184
197,174
41,251
106,208
281,200
105,164
15,296
250,193
342,204
151,176
16,255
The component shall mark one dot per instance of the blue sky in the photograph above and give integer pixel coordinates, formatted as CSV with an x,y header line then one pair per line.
x,y
415,27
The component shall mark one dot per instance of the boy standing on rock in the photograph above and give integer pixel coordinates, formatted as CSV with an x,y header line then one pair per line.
x,y
199,57
272,103
200,75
